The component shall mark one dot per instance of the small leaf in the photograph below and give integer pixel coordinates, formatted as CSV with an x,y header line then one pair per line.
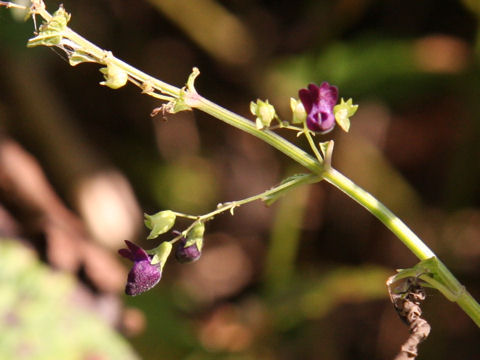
x,y
159,223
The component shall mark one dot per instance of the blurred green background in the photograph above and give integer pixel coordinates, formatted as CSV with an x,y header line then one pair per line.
x,y
302,279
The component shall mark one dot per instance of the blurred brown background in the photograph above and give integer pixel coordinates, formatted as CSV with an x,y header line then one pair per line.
x,y
303,279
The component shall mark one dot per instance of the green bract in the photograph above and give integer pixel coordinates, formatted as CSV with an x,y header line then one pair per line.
x,y
159,223
264,111
343,112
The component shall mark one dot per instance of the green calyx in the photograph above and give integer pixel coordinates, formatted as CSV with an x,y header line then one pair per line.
x,y
115,77
161,253
343,112
195,236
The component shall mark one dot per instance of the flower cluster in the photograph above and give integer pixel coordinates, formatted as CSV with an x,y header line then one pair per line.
x,y
317,109
147,267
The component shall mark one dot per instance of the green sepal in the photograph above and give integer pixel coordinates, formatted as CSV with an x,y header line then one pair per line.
x,y
161,253
51,33
195,236
343,112
159,223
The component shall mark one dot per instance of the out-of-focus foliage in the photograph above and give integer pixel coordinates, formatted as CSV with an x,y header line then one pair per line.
x,y
44,315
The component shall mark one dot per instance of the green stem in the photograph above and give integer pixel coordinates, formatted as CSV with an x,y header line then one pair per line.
x,y
312,144
408,237
269,137
230,206
374,206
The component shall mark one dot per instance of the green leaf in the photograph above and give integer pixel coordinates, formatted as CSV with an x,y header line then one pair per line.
x,y
159,223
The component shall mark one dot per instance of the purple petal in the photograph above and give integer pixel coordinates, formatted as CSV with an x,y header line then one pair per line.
x,y
328,94
187,254
318,102
137,253
142,277
306,99
126,253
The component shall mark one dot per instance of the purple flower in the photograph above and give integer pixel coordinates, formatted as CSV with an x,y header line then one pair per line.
x,y
143,276
318,102
186,254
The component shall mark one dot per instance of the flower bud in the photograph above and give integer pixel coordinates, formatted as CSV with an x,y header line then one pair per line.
x,y
115,77
299,114
189,249
264,111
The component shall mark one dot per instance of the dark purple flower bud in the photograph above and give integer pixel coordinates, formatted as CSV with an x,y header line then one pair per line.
x,y
187,254
143,276
318,102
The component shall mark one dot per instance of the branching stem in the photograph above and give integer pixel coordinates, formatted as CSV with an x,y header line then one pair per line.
x,y
159,89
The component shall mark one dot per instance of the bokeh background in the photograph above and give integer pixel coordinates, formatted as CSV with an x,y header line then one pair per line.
x,y
302,279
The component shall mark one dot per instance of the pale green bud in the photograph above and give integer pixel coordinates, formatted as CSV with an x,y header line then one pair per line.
x,y
264,111
115,77
299,115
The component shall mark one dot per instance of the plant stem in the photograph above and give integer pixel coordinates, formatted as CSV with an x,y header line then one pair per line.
x,y
408,237
268,136
374,206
